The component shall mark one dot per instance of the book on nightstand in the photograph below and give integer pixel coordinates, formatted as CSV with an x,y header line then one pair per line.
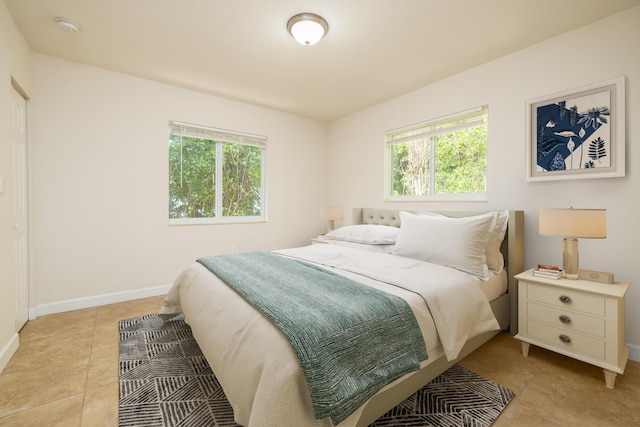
x,y
548,272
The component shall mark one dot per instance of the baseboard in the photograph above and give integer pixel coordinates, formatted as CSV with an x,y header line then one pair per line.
x,y
95,301
634,352
8,350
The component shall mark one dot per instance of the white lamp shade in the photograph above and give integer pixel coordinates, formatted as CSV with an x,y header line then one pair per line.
x,y
307,28
332,212
578,223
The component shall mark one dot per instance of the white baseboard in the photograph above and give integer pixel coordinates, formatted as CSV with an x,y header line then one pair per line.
x,y
634,352
95,301
8,350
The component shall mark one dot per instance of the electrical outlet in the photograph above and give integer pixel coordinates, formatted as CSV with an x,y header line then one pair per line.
x,y
234,249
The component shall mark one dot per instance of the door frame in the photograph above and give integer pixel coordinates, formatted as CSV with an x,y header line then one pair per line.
x,y
31,313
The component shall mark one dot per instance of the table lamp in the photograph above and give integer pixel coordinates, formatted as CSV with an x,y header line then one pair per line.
x,y
573,224
331,213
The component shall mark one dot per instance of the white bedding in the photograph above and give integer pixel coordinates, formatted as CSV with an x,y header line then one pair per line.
x,y
255,363
384,249
495,286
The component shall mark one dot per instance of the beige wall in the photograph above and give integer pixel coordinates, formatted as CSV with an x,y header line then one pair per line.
x,y
100,168
594,53
14,64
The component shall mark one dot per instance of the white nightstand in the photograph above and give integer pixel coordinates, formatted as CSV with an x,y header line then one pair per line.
x,y
319,241
577,318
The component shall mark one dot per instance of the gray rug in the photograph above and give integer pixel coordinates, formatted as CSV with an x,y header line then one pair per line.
x,y
165,381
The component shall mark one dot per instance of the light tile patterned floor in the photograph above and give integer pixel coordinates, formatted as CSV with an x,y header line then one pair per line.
x,y
65,374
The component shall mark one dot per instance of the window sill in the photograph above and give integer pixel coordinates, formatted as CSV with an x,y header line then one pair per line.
x,y
217,221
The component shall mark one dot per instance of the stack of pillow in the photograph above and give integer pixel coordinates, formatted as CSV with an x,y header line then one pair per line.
x,y
470,244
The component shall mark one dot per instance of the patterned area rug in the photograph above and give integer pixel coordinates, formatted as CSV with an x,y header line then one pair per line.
x,y
165,381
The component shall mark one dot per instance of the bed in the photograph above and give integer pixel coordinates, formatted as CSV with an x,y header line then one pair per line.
x,y
255,363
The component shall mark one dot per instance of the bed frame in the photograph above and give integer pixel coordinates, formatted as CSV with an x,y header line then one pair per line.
x,y
505,307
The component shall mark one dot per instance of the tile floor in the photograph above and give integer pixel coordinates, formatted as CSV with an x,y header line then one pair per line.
x,y
65,374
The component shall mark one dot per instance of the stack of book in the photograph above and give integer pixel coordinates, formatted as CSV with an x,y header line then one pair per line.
x,y
548,272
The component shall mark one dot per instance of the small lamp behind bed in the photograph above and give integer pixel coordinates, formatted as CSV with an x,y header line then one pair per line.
x,y
331,213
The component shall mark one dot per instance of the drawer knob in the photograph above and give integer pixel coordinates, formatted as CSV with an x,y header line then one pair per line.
x,y
564,318
565,299
565,339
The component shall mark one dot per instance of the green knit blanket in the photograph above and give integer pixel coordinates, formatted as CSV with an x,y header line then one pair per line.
x,y
350,339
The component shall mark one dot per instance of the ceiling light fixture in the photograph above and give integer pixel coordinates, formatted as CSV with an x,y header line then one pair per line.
x,y
67,25
307,28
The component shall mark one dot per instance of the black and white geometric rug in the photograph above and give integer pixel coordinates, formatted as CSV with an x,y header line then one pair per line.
x,y
165,381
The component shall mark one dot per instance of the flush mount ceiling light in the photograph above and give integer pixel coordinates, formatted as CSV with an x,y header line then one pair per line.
x,y
307,28
67,25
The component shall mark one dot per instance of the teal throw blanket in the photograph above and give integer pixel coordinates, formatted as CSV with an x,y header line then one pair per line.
x,y
350,339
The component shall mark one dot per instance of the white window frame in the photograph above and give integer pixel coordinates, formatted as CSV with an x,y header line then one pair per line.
x,y
439,126
219,136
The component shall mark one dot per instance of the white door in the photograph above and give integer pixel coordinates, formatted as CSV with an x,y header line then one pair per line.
x,y
20,218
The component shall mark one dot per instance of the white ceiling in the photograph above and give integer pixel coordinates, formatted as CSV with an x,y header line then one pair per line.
x,y
375,50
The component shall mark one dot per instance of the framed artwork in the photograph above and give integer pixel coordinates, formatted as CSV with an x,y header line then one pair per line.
x,y
577,134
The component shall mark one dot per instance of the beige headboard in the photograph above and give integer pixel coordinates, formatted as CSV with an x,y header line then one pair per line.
x,y
512,247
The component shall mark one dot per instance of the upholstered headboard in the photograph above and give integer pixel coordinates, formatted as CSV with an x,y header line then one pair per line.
x,y
512,246
376,216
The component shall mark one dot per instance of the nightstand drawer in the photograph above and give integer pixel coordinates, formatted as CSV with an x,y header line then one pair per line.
x,y
564,318
566,340
558,297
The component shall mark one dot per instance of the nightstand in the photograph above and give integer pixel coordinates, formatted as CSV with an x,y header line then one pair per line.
x,y
319,241
576,318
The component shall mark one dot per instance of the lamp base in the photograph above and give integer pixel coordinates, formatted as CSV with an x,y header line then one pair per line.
x,y
570,258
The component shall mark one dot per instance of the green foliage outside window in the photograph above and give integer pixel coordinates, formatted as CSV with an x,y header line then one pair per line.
x,y
461,161
430,161
411,162
193,188
241,176
192,166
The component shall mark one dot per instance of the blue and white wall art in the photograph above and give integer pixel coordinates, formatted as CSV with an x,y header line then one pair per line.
x,y
577,134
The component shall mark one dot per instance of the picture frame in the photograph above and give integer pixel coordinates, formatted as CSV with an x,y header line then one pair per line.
x,y
577,134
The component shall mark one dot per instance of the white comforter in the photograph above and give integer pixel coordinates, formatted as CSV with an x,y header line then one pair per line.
x,y
254,362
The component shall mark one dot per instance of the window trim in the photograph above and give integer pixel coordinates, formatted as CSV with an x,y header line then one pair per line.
x,y
217,135
427,129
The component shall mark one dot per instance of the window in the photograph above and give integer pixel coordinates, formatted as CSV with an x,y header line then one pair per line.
x,y
443,159
215,175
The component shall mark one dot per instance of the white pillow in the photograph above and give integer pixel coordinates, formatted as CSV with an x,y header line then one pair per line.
x,y
429,213
497,230
366,233
453,242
